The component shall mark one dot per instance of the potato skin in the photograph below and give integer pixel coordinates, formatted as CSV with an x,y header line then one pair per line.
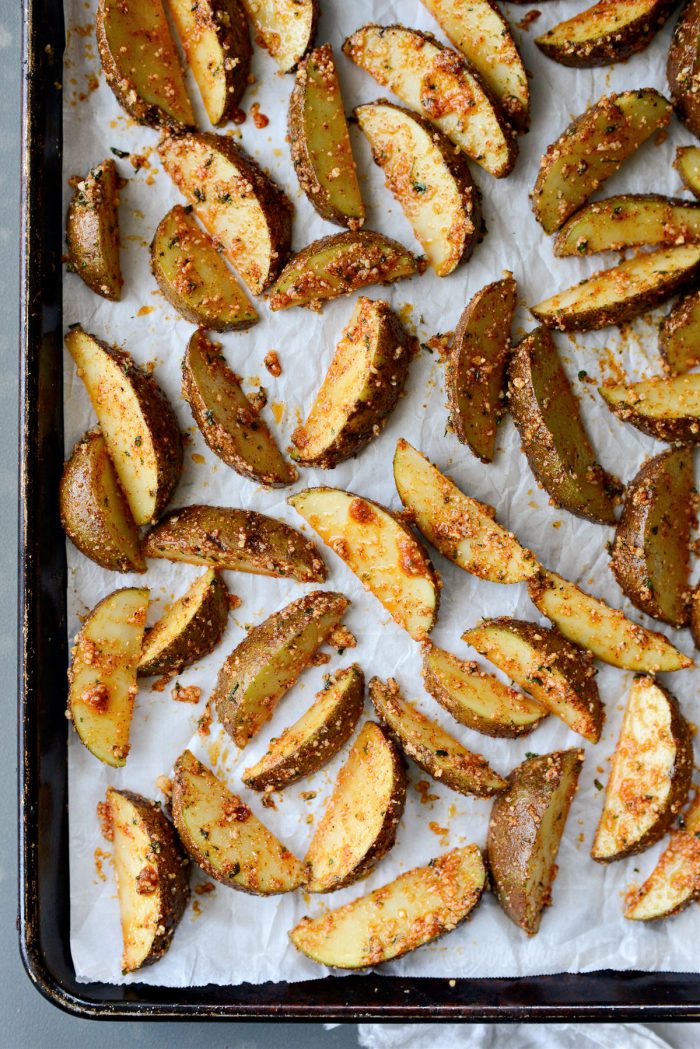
x,y
83,515
92,231
616,44
679,335
651,550
683,66
227,20
200,636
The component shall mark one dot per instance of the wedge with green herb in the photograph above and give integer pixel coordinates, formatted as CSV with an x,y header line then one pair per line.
x,y
285,28
679,335
668,409
628,221
683,66
687,164
190,628
675,880
610,31
92,230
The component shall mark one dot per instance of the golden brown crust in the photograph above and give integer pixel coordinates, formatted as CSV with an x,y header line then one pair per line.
x,y
683,67
627,221
679,335
92,230
605,33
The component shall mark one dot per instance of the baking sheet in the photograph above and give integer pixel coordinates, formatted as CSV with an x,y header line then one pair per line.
x,y
225,936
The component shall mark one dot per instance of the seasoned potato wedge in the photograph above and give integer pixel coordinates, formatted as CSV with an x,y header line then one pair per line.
x,y
461,528
240,540
628,221
92,231
608,32
418,907
141,64
478,700
619,294
604,631
231,425
438,84
679,335
675,880
270,658
651,551
359,824
434,750
316,737
190,628
102,674
362,385
380,549
320,142
239,205
649,774
683,66
668,409
687,164
214,36
194,278
481,33
475,367
525,830
137,421
285,28
546,411
554,672
94,512
430,179
225,838
338,265
591,149
152,874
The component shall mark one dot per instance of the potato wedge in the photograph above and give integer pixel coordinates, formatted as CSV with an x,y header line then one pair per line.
x,y
478,700
619,294
382,551
554,672
628,221
683,66
285,28
604,631
546,412
237,203
482,34
668,409
190,628
649,774
362,385
141,64
240,540
316,737
475,367
320,142
525,831
417,907
229,422
430,179
687,164
270,658
102,674
194,278
434,750
591,149
651,551
152,874
225,838
679,335
94,512
338,265
461,528
215,39
438,84
137,422
360,821
92,231
675,880
608,32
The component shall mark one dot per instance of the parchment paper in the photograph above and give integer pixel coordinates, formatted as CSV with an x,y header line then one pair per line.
x,y
228,937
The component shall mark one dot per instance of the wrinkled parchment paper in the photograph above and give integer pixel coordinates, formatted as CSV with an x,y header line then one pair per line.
x,y
228,937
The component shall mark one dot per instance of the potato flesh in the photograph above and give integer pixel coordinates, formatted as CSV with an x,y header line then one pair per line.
x,y
92,230
679,335
657,398
604,631
102,677
628,221
674,882
462,529
205,56
355,816
388,561
435,82
687,164
176,619
285,28
399,917
605,19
